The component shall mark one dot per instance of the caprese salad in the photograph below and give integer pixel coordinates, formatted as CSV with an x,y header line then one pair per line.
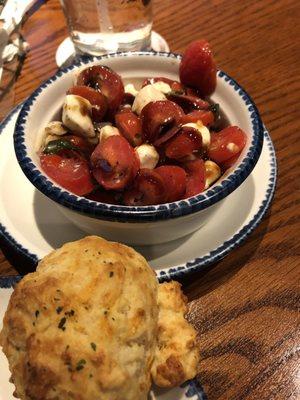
x,y
159,143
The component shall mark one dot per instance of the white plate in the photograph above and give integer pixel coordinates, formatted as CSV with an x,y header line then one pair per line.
x,y
33,225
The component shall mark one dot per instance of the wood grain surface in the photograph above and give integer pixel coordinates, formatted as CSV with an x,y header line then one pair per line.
x,y
246,308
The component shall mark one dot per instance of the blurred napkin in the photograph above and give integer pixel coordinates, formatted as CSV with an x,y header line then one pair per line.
x,y
10,18
13,13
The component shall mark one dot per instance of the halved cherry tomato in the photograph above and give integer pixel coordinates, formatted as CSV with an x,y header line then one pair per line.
x,y
128,99
106,81
97,100
174,180
186,142
192,92
195,179
130,127
104,196
175,85
114,163
167,136
198,69
70,173
148,189
188,103
158,117
226,144
206,117
229,163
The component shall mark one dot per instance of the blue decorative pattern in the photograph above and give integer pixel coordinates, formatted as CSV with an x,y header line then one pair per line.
x,y
147,213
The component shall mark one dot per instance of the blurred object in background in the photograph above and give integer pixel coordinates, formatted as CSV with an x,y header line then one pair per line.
x,y
12,48
106,26
11,64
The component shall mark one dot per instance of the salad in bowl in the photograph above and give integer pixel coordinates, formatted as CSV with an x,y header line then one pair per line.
x,y
159,143
139,147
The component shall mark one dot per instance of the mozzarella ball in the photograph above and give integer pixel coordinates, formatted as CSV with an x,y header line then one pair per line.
x,y
146,95
147,155
55,128
162,87
107,131
212,173
130,88
76,115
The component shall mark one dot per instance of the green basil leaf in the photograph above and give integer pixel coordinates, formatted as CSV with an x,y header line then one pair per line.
x,y
54,146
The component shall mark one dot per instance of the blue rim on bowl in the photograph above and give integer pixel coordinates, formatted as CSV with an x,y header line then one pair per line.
x,y
145,213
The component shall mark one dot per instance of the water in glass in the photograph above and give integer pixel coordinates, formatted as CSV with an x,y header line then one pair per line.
x,y
105,26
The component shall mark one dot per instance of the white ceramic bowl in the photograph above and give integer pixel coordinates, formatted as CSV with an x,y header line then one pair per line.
x,y
136,225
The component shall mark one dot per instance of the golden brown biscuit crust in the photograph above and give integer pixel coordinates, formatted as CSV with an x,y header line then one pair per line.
x,y
85,326
177,356
82,326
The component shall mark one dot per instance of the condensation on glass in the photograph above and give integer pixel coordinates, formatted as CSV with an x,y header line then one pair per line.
x,y
105,26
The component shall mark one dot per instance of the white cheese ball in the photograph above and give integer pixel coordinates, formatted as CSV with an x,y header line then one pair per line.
x,y
55,128
162,87
212,173
52,131
130,88
147,155
146,95
107,131
76,115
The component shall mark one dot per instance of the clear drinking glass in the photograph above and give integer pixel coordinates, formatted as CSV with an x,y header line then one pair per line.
x,y
105,26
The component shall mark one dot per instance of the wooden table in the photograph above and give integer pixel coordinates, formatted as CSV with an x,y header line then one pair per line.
x,y
245,307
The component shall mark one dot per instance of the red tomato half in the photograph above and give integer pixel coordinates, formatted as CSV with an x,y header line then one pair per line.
x,y
149,189
114,163
104,196
229,163
130,127
106,81
226,144
70,173
206,117
128,99
158,117
198,69
192,92
167,136
97,100
186,142
174,180
188,103
195,179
